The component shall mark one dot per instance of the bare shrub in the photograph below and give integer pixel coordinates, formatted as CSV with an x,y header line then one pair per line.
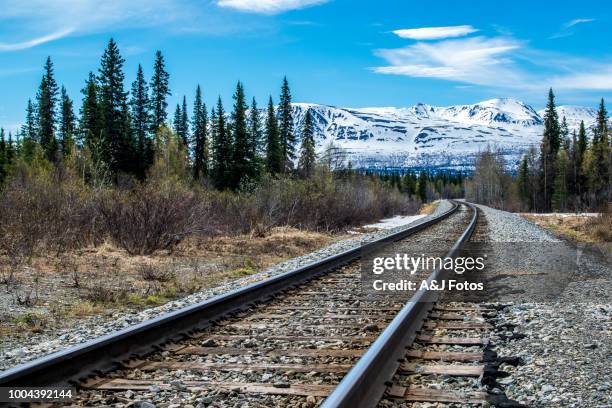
x,y
46,211
149,218
157,273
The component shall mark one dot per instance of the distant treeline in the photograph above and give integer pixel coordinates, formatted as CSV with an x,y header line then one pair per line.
x,y
568,172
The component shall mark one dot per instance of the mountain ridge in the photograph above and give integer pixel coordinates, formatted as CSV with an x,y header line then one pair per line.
x,y
432,136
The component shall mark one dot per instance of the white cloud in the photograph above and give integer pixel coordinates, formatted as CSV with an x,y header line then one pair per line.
x,y
268,6
34,42
497,63
50,20
479,60
577,21
435,33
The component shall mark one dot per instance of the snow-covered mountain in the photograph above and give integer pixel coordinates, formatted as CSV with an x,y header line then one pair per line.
x,y
432,136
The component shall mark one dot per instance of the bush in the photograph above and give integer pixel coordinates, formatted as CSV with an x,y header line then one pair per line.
x,y
151,217
47,210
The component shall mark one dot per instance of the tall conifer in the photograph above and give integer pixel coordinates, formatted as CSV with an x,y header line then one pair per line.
x,y
286,135
159,92
274,153
306,163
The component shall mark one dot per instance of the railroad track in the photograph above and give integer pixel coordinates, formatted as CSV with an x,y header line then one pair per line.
x,y
299,339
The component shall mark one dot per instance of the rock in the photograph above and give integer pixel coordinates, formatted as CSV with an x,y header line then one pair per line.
x,y
209,343
371,328
129,394
547,388
591,346
154,389
143,404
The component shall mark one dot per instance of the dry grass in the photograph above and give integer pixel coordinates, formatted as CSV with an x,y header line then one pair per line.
x,y
428,208
576,227
110,279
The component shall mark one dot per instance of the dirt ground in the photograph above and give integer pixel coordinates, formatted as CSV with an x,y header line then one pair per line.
x,y
54,291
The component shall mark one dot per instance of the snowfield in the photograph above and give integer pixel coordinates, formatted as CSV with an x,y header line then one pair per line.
x,y
431,136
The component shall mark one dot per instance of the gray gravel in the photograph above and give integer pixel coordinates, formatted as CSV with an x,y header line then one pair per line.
x,y
90,328
567,345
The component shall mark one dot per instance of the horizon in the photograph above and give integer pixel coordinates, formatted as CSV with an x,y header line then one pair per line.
x,y
369,58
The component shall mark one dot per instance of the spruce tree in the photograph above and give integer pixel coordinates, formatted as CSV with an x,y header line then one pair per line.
x,y
285,118
46,103
3,158
140,114
306,163
222,150
200,137
243,159
600,169
523,182
274,153
565,141
67,128
116,136
549,148
159,92
177,121
29,129
91,120
184,123
559,198
422,186
255,129
581,148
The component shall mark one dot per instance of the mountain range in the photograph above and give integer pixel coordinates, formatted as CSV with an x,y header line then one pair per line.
x,y
434,137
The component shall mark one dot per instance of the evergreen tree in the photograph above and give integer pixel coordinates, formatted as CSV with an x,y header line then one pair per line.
x,y
243,160
581,148
222,150
255,129
29,128
46,103
200,137
559,198
274,153
422,186
177,121
3,158
564,135
523,181
67,124
599,171
91,120
184,135
550,147
306,163
159,92
116,135
285,118
140,114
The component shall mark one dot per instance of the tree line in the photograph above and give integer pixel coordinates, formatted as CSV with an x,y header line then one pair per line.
x,y
118,133
567,172
571,172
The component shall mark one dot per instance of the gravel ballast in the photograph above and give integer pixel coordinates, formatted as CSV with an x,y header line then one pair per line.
x,y
23,350
566,348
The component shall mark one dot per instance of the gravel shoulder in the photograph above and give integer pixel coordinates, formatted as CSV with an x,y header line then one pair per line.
x,y
26,349
567,345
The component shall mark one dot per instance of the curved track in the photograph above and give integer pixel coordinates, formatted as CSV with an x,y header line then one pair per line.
x,y
297,338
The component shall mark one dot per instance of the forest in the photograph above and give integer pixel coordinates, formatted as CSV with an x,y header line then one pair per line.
x,y
569,172
122,170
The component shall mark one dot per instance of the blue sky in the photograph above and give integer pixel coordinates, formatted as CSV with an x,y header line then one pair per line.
x,y
339,52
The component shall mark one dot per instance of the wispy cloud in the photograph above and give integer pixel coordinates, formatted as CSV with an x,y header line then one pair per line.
x,y
51,20
497,63
566,31
34,42
435,33
577,21
268,6
479,60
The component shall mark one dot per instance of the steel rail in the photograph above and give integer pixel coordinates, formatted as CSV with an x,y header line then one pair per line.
x,y
106,353
365,384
